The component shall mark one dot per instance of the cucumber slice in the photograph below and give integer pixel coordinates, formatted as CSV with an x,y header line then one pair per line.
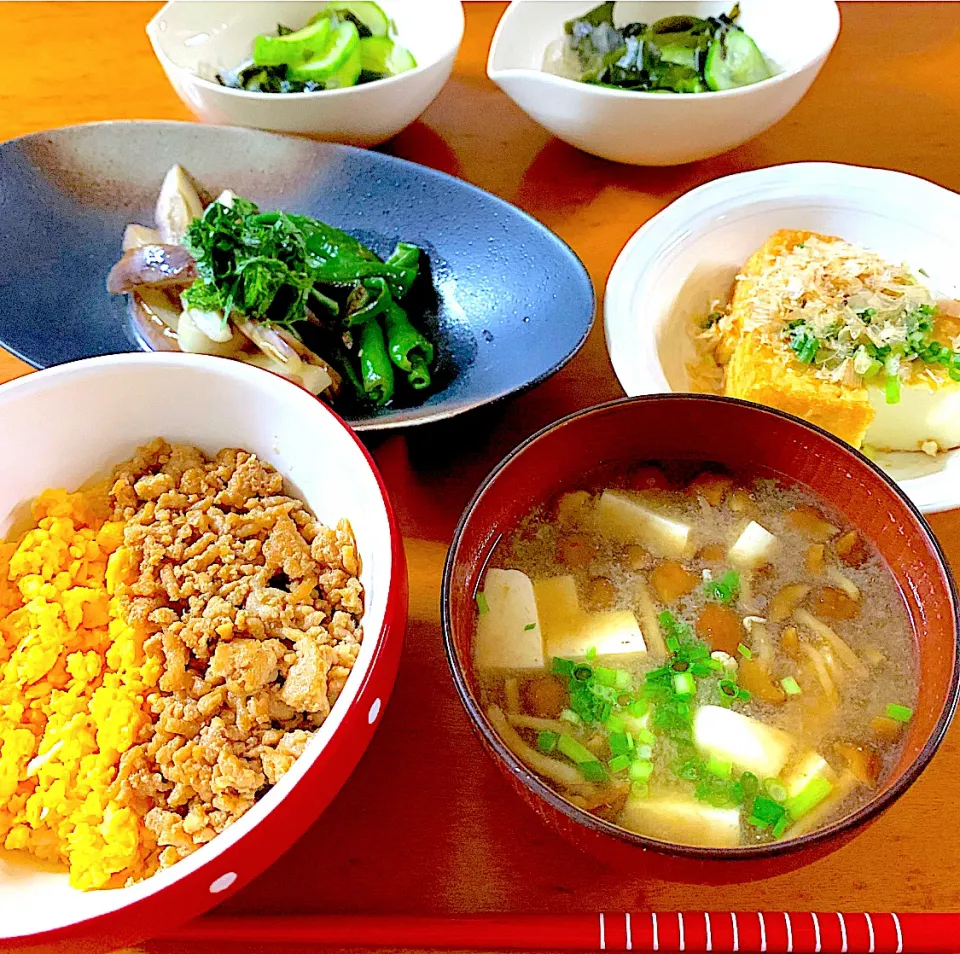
x,y
349,73
733,61
297,47
383,57
344,41
367,12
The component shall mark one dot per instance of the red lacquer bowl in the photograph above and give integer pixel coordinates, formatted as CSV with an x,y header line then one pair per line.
x,y
740,436
74,422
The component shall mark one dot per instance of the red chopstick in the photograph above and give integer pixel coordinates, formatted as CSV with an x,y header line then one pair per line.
x,y
746,932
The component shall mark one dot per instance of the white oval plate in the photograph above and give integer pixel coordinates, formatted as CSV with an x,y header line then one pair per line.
x,y
688,255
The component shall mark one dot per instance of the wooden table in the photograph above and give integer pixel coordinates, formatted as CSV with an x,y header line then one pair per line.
x,y
426,825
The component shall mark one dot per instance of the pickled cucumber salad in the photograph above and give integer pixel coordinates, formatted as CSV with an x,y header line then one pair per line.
x,y
676,54
347,43
285,292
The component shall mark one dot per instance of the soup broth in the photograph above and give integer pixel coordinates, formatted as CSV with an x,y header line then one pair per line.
x,y
702,658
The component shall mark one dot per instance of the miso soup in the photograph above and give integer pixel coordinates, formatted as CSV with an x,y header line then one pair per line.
x,y
702,658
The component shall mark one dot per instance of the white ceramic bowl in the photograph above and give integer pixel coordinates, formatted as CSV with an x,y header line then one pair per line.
x,y
688,255
195,39
76,421
653,129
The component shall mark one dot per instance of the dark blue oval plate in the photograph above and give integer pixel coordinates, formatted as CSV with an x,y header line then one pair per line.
x,y
511,303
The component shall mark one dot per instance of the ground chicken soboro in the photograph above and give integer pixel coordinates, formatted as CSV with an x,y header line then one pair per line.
x,y
256,609
161,669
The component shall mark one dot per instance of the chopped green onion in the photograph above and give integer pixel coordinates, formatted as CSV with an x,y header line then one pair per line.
x,y
483,607
644,752
750,783
562,667
547,741
529,626
640,770
719,767
619,763
673,644
775,789
616,724
574,750
592,771
790,686
619,743
724,590
744,651
899,713
781,826
728,688
893,389
684,684
568,715
640,788
767,811
623,680
809,797
583,672
604,676
591,654
744,695
638,708
646,737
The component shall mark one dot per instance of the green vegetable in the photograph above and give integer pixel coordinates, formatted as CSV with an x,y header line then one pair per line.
x,y
808,798
745,651
619,763
775,789
562,667
899,713
677,54
529,626
619,743
640,770
407,347
725,590
296,47
790,686
719,767
733,61
483,607
684,684
593,771
765,812
547,741
376,372
892,389
374,21
591,654
345,39
574,750
368,300
380,56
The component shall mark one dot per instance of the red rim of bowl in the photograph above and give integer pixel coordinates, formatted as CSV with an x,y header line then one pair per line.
x,y
534,784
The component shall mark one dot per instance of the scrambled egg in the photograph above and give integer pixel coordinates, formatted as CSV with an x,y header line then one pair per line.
x,y
74,678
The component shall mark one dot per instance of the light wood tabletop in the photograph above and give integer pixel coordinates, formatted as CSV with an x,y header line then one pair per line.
x,y
426,824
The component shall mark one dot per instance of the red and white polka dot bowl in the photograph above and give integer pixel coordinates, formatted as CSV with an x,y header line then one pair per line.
x,y
59,428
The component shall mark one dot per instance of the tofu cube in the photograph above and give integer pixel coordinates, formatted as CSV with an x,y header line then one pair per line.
x,y
749,744
754,547
627,520
804,770
558,607
682,820
505,637
612,634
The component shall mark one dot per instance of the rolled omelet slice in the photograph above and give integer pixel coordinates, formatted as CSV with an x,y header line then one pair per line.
x,y
761,367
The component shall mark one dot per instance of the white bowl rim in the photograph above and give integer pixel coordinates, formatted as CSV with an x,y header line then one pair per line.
x,y
732,189
208,853
590,89
153,32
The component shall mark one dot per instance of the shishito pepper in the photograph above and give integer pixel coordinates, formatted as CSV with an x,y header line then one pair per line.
x,y
376,372
409,350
